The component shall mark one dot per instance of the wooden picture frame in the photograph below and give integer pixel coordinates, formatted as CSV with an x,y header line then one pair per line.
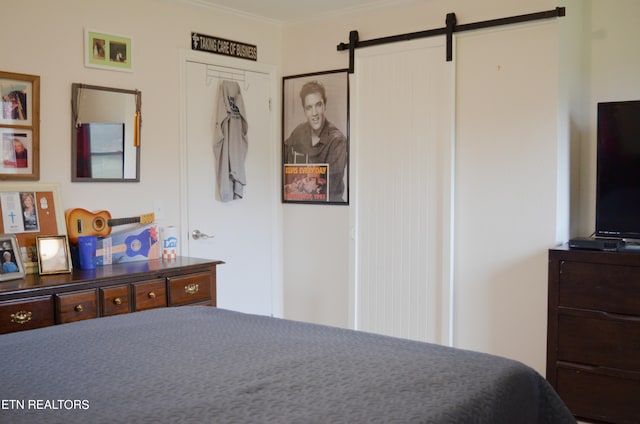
x,y
49,214
108,51
19,126
12,267
54,256
315,173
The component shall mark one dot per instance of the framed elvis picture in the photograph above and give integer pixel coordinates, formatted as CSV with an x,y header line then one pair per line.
x,y
315,147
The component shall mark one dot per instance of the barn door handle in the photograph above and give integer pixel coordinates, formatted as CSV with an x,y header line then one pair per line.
x,y
197,234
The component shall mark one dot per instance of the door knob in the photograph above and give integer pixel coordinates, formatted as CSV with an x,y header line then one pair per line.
x,y
197,234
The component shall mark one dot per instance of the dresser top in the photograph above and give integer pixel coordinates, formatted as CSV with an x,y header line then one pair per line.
x,y
128,270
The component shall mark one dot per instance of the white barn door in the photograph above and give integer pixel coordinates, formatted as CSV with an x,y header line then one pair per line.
x,y
402,168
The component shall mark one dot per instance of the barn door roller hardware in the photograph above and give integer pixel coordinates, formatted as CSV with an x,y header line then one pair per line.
x,y
448,30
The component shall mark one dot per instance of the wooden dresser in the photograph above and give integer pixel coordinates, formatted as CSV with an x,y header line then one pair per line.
x,y
39,301
593,335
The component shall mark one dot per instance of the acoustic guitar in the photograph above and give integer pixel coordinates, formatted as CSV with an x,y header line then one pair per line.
x,y
81,222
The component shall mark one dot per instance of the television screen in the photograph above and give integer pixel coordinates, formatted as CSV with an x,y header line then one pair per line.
x,y
618,170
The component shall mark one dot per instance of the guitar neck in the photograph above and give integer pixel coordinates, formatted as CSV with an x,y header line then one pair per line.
x,y
147,218
123,221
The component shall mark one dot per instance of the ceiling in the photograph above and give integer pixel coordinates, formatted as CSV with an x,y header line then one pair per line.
x,y
288,11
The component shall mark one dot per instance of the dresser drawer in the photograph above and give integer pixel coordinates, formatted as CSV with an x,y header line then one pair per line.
x,y
76,306
599,339
26,314
193,288
600,396
150,294
114,300
602,287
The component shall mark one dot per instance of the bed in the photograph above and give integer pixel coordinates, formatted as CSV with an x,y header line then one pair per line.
x,y
201,364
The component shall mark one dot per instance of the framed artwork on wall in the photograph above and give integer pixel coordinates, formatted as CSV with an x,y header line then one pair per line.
x,y
108,51
19,126
315,146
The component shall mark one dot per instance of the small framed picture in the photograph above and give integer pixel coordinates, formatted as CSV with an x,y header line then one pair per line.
x,y
53,254
20,99
107,51
19,126
12,267
17,151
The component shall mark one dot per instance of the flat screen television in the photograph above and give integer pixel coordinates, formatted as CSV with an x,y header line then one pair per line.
x,y
618,170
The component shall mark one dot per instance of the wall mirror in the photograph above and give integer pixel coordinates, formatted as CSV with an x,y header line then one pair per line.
x,y
105,130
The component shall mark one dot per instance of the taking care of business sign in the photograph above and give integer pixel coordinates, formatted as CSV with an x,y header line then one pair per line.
x,y
208,43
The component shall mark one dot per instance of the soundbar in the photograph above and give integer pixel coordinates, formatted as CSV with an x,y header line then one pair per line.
x,y
589,243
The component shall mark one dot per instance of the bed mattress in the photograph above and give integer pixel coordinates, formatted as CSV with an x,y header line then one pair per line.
x,y
202,364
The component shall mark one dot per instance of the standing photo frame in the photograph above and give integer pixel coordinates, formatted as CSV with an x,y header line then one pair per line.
x,y
54,256
12,266
108,51
19,126
315,145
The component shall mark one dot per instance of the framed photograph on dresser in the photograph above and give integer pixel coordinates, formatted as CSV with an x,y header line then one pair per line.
x,y
54,256
12,267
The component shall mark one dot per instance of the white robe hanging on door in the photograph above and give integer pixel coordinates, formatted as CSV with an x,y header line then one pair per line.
x,y
231,144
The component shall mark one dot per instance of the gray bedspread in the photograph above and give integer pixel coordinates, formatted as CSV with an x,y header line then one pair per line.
x,y
207,365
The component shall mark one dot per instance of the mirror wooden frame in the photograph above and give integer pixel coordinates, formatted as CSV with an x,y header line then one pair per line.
x,y
75,116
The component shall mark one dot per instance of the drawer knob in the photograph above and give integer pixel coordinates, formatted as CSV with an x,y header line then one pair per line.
x,y
117,301
152,295
191,288
21,317
78,308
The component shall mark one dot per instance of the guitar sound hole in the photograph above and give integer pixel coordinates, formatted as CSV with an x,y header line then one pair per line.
x,y
99,224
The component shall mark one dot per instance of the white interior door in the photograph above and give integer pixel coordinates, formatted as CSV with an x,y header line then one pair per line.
x,y
240,232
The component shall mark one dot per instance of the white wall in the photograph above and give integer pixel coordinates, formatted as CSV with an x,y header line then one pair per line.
x,y
46,38
573,89
505,188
